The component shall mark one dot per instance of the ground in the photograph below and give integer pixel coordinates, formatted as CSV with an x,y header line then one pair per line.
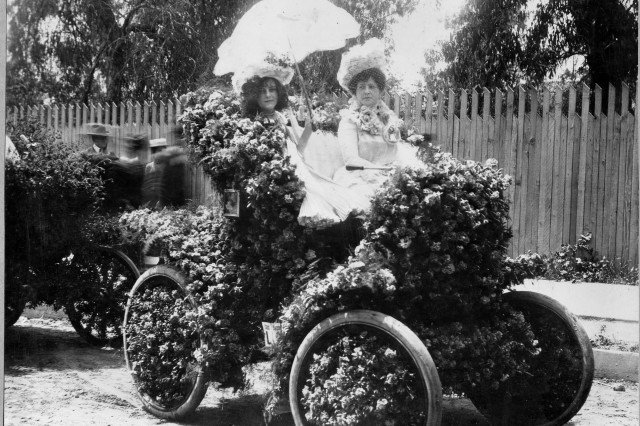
x,y
52,377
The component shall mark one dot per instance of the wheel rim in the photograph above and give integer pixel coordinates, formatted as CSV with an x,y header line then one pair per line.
x,y
416,402
162,387
97,306
560,376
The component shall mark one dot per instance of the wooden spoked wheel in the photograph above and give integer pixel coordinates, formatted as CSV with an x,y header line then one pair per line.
x,y
419,400
173,387
561,373
96,307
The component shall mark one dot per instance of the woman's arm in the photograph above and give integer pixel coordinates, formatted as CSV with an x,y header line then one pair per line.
x,y
298,135
348,141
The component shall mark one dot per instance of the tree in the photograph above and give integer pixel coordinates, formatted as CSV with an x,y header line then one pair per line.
x,y
605,32
486,44
494,45
81,50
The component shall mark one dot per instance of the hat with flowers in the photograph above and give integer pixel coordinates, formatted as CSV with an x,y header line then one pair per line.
x,y
359,58
279,68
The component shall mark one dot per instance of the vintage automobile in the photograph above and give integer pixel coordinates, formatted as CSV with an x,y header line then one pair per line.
x,y
397,297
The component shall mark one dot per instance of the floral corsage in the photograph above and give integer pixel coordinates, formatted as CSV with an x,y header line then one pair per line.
x,y
379,120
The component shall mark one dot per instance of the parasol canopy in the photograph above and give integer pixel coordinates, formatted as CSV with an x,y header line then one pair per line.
x,y
287,29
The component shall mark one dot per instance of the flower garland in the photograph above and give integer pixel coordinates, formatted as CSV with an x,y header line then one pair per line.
x,y
379,120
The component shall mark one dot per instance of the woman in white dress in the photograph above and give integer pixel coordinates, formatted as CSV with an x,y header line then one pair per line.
x,y
326,203
369,131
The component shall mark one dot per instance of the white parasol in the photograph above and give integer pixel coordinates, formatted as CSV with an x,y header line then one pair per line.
x,y
290,29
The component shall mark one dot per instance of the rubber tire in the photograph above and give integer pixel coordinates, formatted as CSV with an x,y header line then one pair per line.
x,y
392,328
577,333
91,336
199,389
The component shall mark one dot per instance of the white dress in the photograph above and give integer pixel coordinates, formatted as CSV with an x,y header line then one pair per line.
x,y
326,202
361,147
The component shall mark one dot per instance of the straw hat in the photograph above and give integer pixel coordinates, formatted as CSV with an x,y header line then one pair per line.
x,y
360,58
96,129
283,74
157,143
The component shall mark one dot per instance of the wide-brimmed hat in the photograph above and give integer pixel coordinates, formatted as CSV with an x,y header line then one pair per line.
x,y
360,58
96,129
282,73
157,143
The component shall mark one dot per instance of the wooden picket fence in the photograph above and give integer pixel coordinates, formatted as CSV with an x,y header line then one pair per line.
x,y
574,171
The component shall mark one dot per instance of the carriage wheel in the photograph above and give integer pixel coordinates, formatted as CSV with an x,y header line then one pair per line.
x,y
420,399
15,302
96,306
561,371
171,389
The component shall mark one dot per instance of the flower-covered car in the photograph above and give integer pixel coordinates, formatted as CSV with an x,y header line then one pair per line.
x,y
421,306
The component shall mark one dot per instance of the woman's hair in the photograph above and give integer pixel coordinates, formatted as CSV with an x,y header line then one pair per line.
x,y
251,91
377,75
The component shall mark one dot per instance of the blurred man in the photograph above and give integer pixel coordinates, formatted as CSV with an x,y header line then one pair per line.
x,y
164,175
99,137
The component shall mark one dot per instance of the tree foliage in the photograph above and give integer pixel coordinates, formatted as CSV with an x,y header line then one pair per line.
x,y
605,32
118,50
497,43
114,50
486,45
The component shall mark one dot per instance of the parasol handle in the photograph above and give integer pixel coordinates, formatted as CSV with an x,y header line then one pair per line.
x,y
350,168
304,88
304,91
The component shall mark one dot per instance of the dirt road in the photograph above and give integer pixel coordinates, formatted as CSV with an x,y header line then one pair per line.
x,y
53,378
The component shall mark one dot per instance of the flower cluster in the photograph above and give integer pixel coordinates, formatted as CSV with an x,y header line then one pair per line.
x,y
379,120
325,115
362,375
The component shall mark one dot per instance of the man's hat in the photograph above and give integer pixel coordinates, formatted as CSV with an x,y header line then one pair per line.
x,y
157,143
96,129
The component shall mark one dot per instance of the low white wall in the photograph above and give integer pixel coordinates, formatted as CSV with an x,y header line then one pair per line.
x,y
610,301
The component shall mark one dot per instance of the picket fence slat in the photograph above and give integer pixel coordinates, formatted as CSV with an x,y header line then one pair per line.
x,y
581,212
635,204
618,238
602,168
564,177
612,185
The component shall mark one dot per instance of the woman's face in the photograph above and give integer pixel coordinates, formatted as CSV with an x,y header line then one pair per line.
x,y
268,97
368,93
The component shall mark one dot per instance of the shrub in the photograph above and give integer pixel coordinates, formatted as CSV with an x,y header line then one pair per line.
x,y
575,263
579,263
49,191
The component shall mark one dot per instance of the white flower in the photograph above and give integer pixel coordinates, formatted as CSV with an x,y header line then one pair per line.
x,y
433,198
